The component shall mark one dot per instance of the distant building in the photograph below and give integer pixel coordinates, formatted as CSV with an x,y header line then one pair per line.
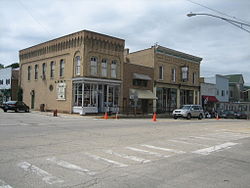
x,y
8,84
236,87
176,76
246,93
214,90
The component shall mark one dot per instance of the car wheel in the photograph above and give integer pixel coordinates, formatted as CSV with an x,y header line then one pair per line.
x,y
27,110
16,110
5,110
175,117
200,116
189,116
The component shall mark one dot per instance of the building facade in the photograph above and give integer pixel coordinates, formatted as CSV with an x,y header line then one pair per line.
x,y
8,84
176,76
138,93
236,87
77,73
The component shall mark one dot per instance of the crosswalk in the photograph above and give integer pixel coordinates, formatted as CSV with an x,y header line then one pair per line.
x,y
124,157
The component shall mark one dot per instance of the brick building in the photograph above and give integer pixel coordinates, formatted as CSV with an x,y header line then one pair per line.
x,y
76,73
138,93
176,76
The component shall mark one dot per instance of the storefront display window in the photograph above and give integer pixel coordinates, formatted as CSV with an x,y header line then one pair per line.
x,y
78,94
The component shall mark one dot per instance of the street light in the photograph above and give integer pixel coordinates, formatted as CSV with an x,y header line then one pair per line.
x,y
233,22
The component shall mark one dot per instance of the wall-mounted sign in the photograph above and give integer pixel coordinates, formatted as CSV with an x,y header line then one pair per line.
x,y
61,91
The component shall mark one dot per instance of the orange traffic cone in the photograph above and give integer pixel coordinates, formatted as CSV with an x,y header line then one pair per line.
x,y
154,117
217,117
105,115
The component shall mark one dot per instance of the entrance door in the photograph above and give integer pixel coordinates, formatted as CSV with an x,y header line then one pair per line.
x,y
144,106
32,99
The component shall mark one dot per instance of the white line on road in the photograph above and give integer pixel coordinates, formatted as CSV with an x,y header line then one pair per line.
x,y
96,157
207,151
70,166
148,152
133,158
184,142
203,138
48,178
163,149
4,185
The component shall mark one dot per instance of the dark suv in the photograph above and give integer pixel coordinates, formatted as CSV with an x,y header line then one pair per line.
x,y
16,106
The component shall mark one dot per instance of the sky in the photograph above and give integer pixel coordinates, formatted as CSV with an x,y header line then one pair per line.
x,y
225,49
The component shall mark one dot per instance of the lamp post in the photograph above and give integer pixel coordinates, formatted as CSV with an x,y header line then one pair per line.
x,y
238,24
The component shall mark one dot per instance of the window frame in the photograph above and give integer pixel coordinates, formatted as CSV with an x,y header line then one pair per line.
x,y
77,65
52,69
104,66
61,68
161,72
36,71
29,72
93,66
113,69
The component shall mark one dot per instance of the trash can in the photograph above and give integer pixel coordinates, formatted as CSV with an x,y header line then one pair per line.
x,y
42,107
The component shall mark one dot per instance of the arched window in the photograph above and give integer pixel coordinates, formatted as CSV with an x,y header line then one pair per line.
x,y
36,72
93,66
114,69
104,67
77,65
62,64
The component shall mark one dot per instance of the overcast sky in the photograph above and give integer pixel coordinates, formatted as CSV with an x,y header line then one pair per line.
x,y
225,49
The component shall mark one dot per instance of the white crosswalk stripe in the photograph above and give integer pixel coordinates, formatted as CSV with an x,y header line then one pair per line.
x,y
4,185
207,151
47,177
70,166
163,149
133,158
147,152
96,157
185,142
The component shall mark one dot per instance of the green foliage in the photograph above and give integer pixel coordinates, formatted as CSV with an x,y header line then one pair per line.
x,y
1,66
13,65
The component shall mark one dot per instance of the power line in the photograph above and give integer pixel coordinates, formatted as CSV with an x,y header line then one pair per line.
x,y
217,11
26,9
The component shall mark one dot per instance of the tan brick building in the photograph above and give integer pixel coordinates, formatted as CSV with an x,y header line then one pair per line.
x,y
176,76
79,73
138,93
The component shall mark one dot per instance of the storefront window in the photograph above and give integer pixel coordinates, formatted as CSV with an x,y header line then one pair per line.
x,y
90,95
78,94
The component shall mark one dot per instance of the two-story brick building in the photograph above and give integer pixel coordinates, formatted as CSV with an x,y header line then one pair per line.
x,y
176,76
79,73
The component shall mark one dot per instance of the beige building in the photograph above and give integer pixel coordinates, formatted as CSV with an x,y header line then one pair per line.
x,y
77,73
176,76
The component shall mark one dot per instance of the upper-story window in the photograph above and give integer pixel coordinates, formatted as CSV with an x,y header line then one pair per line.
x,y
44,71
29,72
161,72
62,63
184,74
104,68
52,69
77,65
93,66
36,72
7,81
194,77
222,93
1,82
114,69
173,75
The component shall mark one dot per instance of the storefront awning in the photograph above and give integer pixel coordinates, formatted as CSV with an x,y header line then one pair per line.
x,y
141,76
142,94
210,98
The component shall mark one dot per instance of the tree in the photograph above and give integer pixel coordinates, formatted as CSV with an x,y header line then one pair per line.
x,y
13,65
1,66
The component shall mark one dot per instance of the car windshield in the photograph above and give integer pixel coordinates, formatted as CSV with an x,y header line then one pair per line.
x,y
186,107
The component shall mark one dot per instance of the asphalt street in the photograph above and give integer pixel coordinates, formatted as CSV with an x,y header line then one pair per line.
x,y
39,150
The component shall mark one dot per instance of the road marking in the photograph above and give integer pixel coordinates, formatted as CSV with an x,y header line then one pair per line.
x,y
47,177
96,157
133,158
203,138
163,149
148,152
4,185
207,151
70,166
184,142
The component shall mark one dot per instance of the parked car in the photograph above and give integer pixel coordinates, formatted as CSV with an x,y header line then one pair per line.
x,y
227,114
241,115
189,111
15,106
